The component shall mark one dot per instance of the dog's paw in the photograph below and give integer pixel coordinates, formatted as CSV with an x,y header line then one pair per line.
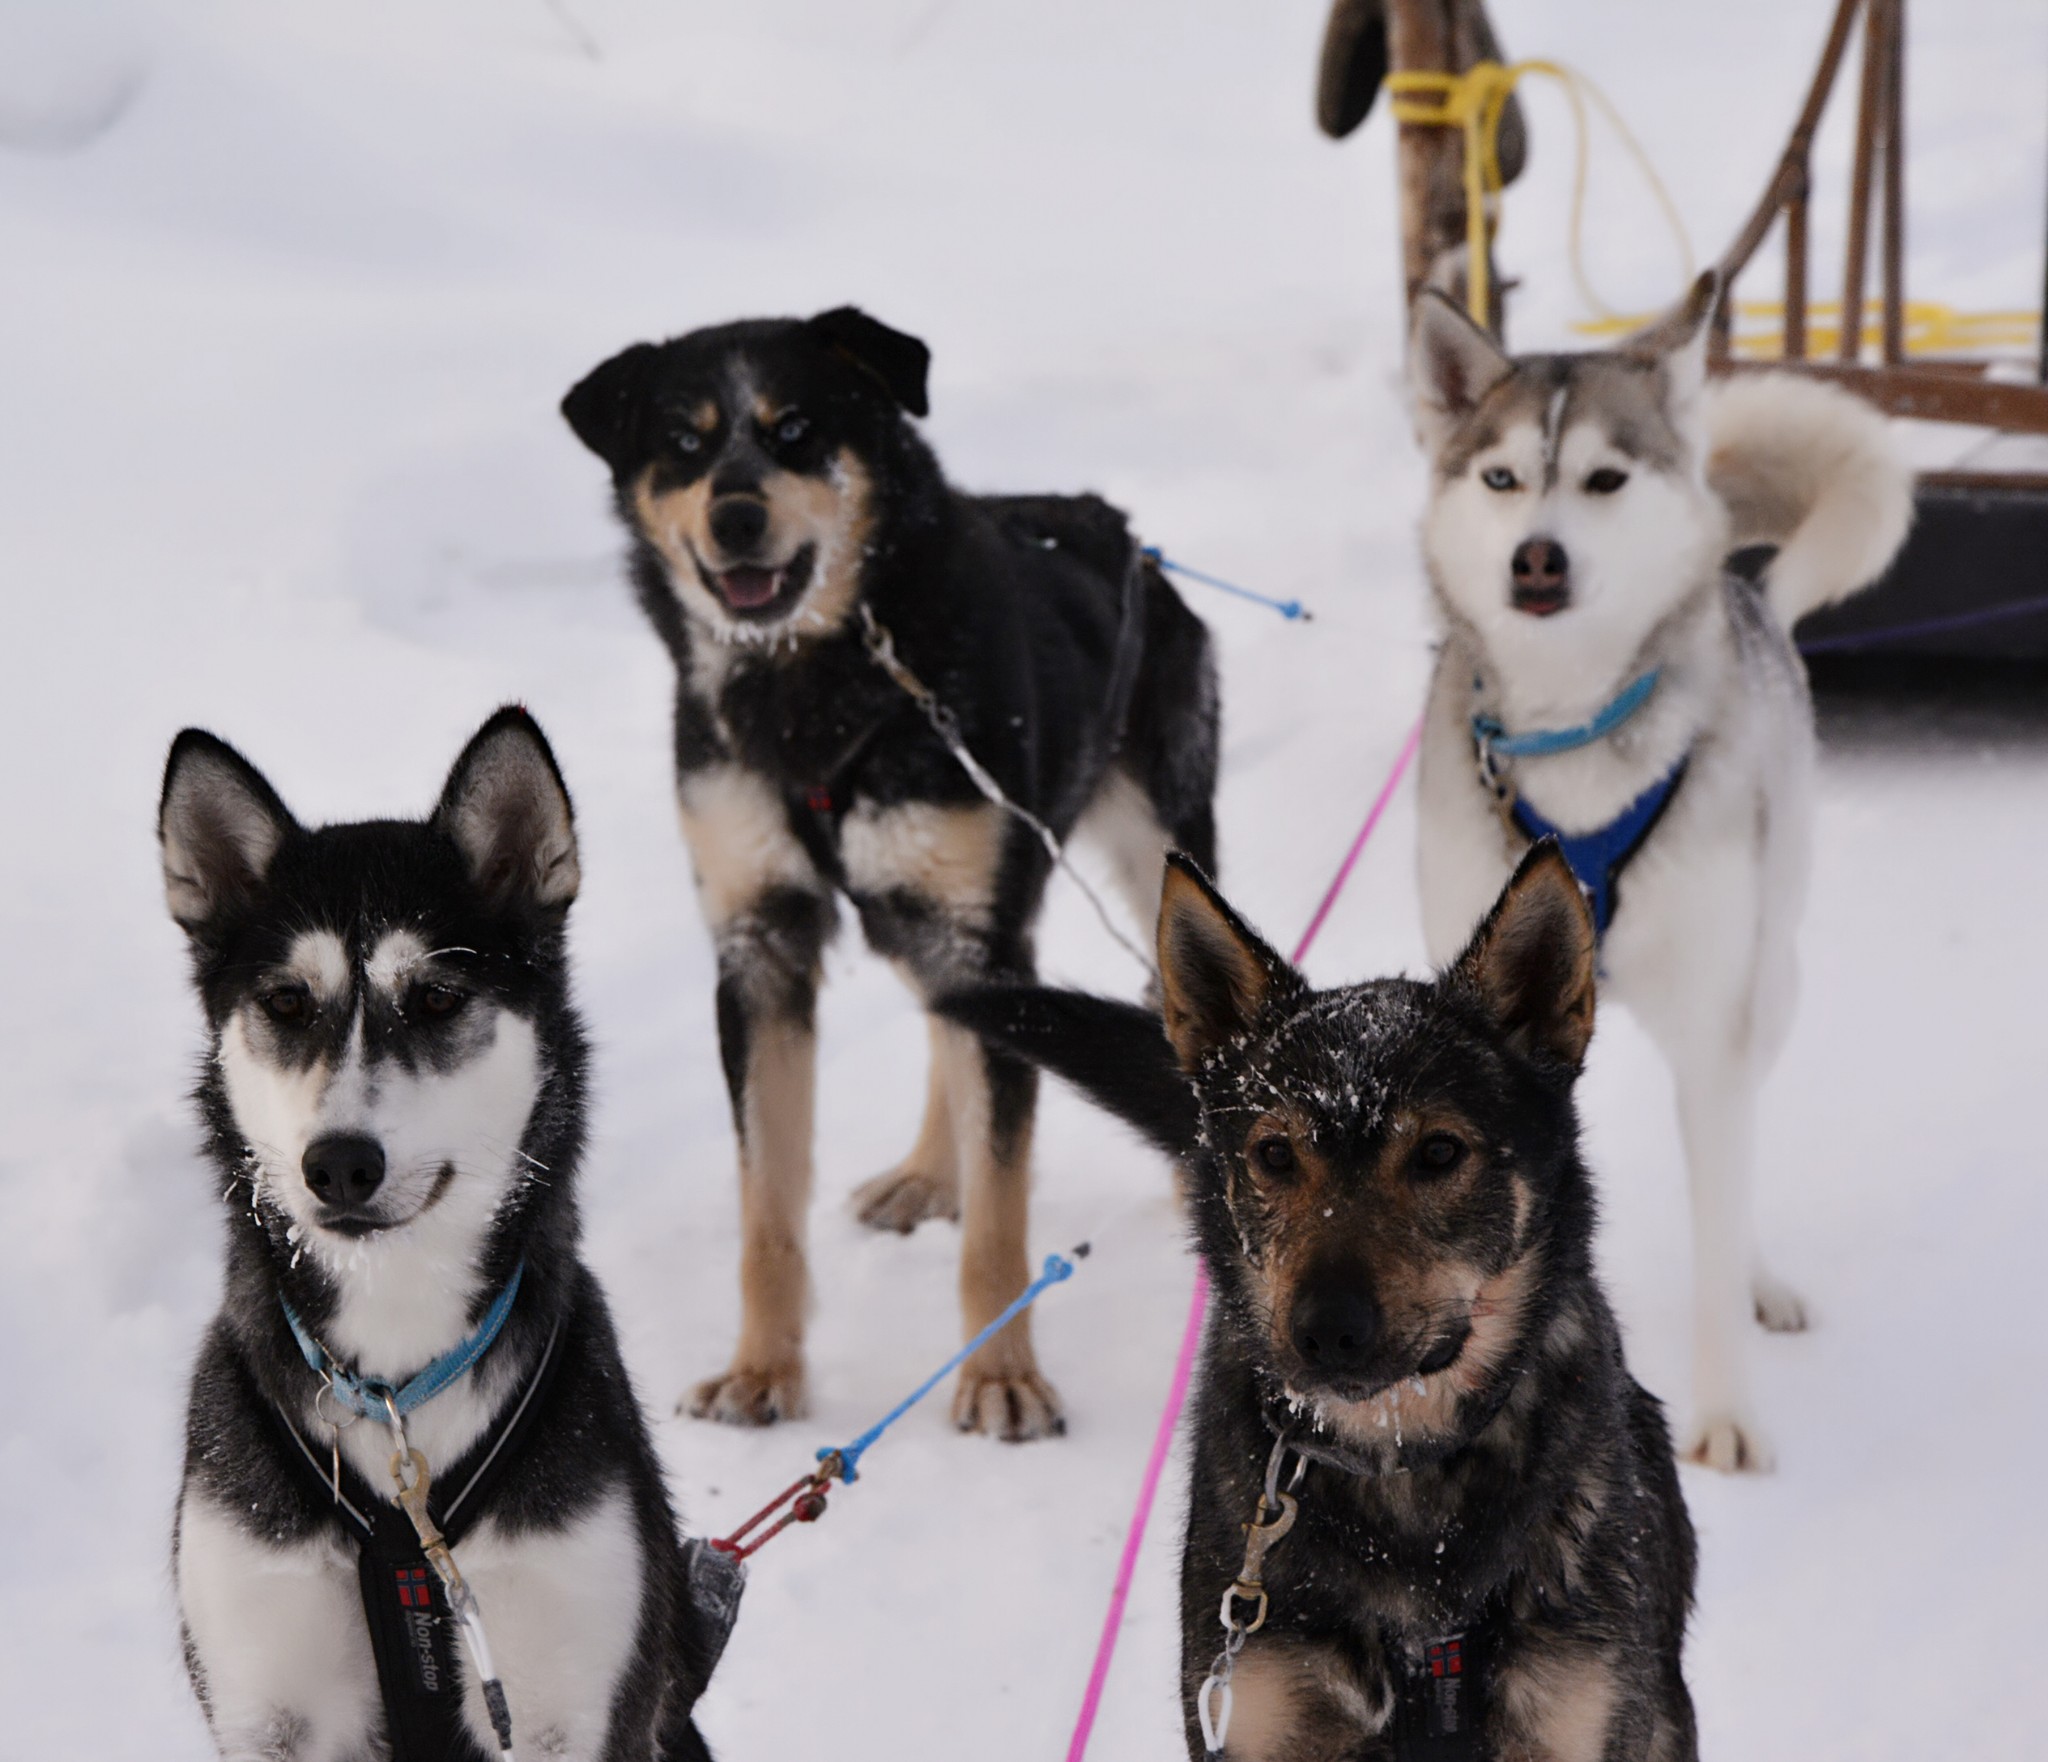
x,y
1014,1406
1778,1306
1729,1444
904,1198
743,1397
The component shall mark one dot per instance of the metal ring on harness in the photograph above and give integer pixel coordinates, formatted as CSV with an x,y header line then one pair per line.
x,y
1241,1589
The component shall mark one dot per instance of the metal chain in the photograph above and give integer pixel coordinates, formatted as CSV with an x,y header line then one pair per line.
x,y
1214,1699
409,1473
881,647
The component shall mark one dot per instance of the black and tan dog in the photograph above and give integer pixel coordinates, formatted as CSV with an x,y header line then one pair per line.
x,y
1488,1555
789,528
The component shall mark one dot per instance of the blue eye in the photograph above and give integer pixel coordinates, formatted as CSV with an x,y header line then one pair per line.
x,y
1499,477
689,441
792,428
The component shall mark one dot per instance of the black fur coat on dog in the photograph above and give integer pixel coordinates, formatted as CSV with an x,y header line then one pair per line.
x,y
1490,1555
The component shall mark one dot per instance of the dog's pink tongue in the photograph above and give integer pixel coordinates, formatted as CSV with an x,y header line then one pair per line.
x,y
748,587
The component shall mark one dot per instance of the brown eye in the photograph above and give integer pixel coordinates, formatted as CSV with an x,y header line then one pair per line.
x,y
1605,481
438,1002
1275,1155
1439,1153
289,1005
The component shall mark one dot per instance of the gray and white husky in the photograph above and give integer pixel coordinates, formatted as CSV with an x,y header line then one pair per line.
x,y
393,1099
1605,677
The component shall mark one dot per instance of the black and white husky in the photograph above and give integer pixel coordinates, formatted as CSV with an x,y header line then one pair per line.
x,y
1605,678
393,1095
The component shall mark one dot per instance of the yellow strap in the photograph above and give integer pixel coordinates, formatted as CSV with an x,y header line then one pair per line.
x,y
1931,328
1473,102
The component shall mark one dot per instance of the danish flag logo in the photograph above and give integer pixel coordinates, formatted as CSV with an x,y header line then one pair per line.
x,y
415,1589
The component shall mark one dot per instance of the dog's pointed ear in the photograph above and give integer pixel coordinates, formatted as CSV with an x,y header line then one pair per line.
x,y
219,824
1678,340
507,811
895,358
606,405
1216,975
1452,365
1532,962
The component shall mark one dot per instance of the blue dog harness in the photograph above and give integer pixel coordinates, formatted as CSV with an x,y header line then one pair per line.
x,y
1597,857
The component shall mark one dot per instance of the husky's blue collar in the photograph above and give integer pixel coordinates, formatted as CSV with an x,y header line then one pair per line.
x,y
1597,857
372,1397
1495,740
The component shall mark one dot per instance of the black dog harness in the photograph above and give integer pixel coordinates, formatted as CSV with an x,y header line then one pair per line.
x,y
412,1631
1442,1700
1440,1695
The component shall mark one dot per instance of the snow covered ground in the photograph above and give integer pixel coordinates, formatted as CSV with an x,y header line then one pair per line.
x,y
289,295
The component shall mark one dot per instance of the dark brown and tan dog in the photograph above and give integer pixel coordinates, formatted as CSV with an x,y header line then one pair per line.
x,y
1478,1545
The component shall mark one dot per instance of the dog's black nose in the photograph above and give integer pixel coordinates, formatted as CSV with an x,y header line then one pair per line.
x,y
1542,576
1335,1326
343,1168
737,523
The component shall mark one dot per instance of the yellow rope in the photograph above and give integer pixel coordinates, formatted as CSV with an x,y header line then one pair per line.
x,y
1931,328
1473,102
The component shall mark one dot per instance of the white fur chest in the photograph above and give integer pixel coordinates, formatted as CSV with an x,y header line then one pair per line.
x,y
284,1654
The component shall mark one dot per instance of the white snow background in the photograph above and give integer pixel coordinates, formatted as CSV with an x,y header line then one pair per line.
x,y
287,298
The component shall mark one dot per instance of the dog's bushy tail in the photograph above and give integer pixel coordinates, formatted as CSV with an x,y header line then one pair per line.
x,y
1114,1053
1813,470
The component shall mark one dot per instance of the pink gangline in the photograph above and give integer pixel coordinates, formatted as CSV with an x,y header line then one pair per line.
x,y
1191,1333
1372,820
1141,1515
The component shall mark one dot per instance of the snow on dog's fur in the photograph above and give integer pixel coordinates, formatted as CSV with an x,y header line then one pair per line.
x,y
1581,511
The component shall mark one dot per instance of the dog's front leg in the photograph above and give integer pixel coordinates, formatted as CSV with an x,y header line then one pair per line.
x,y
926,879
770,913
768,964
1293,1700
994,1097
275,1640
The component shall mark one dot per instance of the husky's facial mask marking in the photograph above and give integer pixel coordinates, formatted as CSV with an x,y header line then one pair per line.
x,y
1377,1160
364,1124
379,1063
743,469
1565,483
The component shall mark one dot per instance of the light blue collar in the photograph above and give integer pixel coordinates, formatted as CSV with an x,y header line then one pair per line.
x,y
1494,741
373,1398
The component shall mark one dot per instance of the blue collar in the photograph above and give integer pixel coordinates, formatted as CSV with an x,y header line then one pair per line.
x,y
1494,741
368,1396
